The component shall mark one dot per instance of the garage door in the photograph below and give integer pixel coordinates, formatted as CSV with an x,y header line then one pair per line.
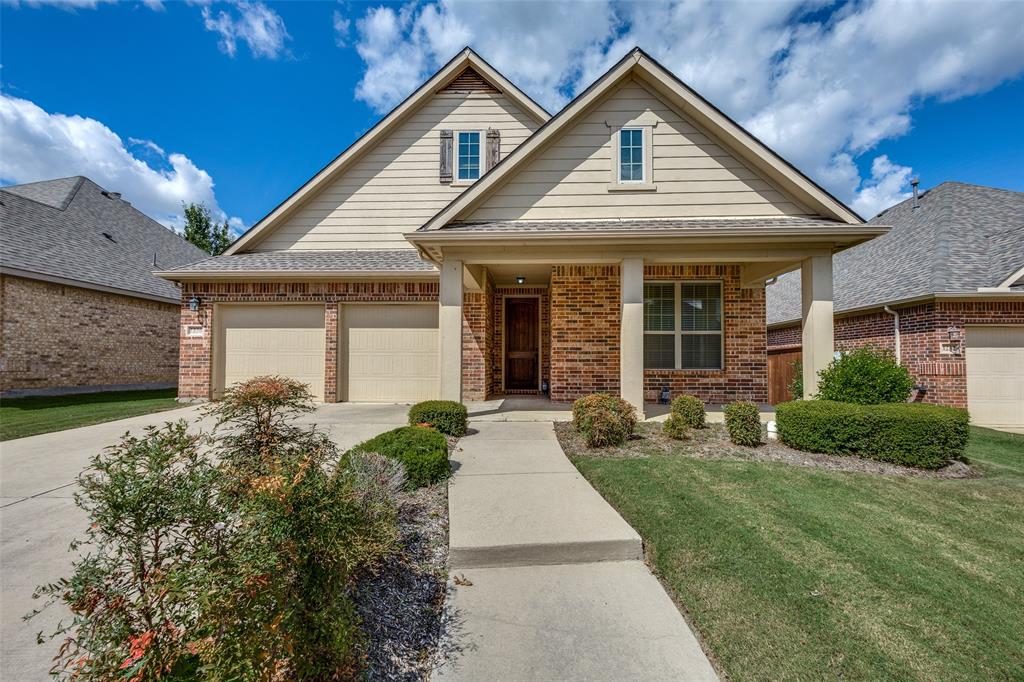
x,y
995,376
273,339
390,353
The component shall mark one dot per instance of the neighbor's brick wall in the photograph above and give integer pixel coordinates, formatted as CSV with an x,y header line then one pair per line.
x,y
745,368
57,336
498,325
585,317
924,328
195,371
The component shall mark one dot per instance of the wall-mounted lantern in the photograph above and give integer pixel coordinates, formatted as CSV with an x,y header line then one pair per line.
x,y
666,395
193,304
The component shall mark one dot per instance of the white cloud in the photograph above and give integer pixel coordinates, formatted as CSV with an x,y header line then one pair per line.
x,y
71,5
821,90
342,28
38,145
253,23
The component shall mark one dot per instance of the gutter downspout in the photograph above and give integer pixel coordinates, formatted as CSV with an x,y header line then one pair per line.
x,y
896,332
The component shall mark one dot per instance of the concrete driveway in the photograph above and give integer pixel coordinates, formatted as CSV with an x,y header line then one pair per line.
x,y
38,518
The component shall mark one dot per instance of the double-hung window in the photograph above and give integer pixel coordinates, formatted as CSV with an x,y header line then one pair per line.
x,y
467,155
683,325
631,155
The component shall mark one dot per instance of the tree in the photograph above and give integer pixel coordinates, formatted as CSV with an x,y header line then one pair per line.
x,y
202,231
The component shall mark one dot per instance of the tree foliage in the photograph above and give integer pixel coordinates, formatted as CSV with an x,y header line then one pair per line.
x,y
202,231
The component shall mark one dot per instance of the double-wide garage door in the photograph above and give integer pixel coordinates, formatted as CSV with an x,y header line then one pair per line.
x,y
995,376
386,353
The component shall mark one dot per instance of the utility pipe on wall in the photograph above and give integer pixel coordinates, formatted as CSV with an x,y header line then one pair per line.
x,y
896,330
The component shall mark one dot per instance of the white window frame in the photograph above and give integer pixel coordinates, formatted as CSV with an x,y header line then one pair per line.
x,y
677,331
647,183
482,138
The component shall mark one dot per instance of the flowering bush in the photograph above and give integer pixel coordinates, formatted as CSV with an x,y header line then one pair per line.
x,y
234,561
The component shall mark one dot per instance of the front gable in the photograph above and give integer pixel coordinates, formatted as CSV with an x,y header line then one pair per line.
x,y
689,171
701,163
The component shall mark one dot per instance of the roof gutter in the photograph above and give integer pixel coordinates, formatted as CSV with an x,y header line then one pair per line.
x,y
285,275
443,236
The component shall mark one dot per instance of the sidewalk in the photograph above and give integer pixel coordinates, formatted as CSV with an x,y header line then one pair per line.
x,y
558,588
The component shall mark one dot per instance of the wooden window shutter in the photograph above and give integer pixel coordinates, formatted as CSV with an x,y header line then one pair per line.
x,y
446,156
493,147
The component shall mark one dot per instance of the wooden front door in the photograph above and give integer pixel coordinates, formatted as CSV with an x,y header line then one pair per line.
x,y
522,343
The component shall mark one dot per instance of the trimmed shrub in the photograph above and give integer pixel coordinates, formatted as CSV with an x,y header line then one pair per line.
x,y
675,427
689,410
912,434
743,421
796,386
447,416
865,376
603,419
421,450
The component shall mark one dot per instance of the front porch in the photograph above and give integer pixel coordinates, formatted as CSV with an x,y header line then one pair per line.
x,y
542,409
511,329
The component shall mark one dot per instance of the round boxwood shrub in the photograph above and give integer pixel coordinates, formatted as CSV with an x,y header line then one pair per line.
x,y
865,376
422,450
603,419
743,421
675,427
911,434
447,416
689,410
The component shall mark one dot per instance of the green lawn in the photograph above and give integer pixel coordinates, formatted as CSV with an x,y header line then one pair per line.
x,y
799,573
20,417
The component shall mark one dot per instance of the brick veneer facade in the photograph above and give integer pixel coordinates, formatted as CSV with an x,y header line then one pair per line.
x,y
924,330
59,336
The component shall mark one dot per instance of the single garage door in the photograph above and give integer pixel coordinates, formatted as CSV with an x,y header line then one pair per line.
x,y
258,340
390,353
995,376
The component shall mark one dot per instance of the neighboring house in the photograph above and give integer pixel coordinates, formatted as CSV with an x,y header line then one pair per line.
x,y
80,308
951,273
471,246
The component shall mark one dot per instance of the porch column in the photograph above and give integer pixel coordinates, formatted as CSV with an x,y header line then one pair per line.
x,y
450,323
631,340
818,342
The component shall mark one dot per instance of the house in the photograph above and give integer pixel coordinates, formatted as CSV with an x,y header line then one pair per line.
x,y
943,290
80,308
470,245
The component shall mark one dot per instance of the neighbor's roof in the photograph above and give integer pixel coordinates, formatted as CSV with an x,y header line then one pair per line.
x,y
71,230
960,239
307,263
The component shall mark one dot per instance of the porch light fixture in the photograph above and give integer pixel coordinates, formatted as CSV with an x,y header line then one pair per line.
x,y
193,303
520,279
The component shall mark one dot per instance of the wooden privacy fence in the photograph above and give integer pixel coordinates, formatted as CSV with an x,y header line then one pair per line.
x,y
781,372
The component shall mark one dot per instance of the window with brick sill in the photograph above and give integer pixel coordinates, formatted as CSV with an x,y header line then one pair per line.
x,y
683,325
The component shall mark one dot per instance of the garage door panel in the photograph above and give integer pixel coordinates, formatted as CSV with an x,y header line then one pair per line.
x,y
391,352
995,375
274,339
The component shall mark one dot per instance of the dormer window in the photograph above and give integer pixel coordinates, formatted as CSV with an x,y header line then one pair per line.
x,y
631,155
467,159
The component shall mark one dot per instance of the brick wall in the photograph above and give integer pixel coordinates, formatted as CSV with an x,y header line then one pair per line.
x,y
498,325
56,336
478,342
745,368
924,328
585,318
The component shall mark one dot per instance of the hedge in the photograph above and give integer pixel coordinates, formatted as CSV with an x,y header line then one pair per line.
x,y
422,451
912,434
447,416
743,422
603,419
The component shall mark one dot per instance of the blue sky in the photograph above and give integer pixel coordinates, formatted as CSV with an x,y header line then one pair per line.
x,y
237,104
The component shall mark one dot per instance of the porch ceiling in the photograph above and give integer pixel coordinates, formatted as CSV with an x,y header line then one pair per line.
x,y
504,275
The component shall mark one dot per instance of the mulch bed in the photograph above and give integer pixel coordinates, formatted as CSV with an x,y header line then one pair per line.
x,y
713,443
402,605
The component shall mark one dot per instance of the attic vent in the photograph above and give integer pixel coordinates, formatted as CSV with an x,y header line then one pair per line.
x,y
469,81
112,195
108,236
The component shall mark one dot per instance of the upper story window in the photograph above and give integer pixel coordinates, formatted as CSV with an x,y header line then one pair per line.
x,y
467,158
683,325
631,155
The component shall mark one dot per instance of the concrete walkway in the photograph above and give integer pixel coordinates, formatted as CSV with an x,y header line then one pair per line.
x,y
558,588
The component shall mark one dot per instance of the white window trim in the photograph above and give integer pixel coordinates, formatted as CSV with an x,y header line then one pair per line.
x,y
645,185
455,155
678,332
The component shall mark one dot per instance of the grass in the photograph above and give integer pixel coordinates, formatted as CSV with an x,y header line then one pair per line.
x,y
793,573
20,417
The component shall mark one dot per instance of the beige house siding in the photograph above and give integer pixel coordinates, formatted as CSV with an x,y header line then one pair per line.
x,y
693,173
394,187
